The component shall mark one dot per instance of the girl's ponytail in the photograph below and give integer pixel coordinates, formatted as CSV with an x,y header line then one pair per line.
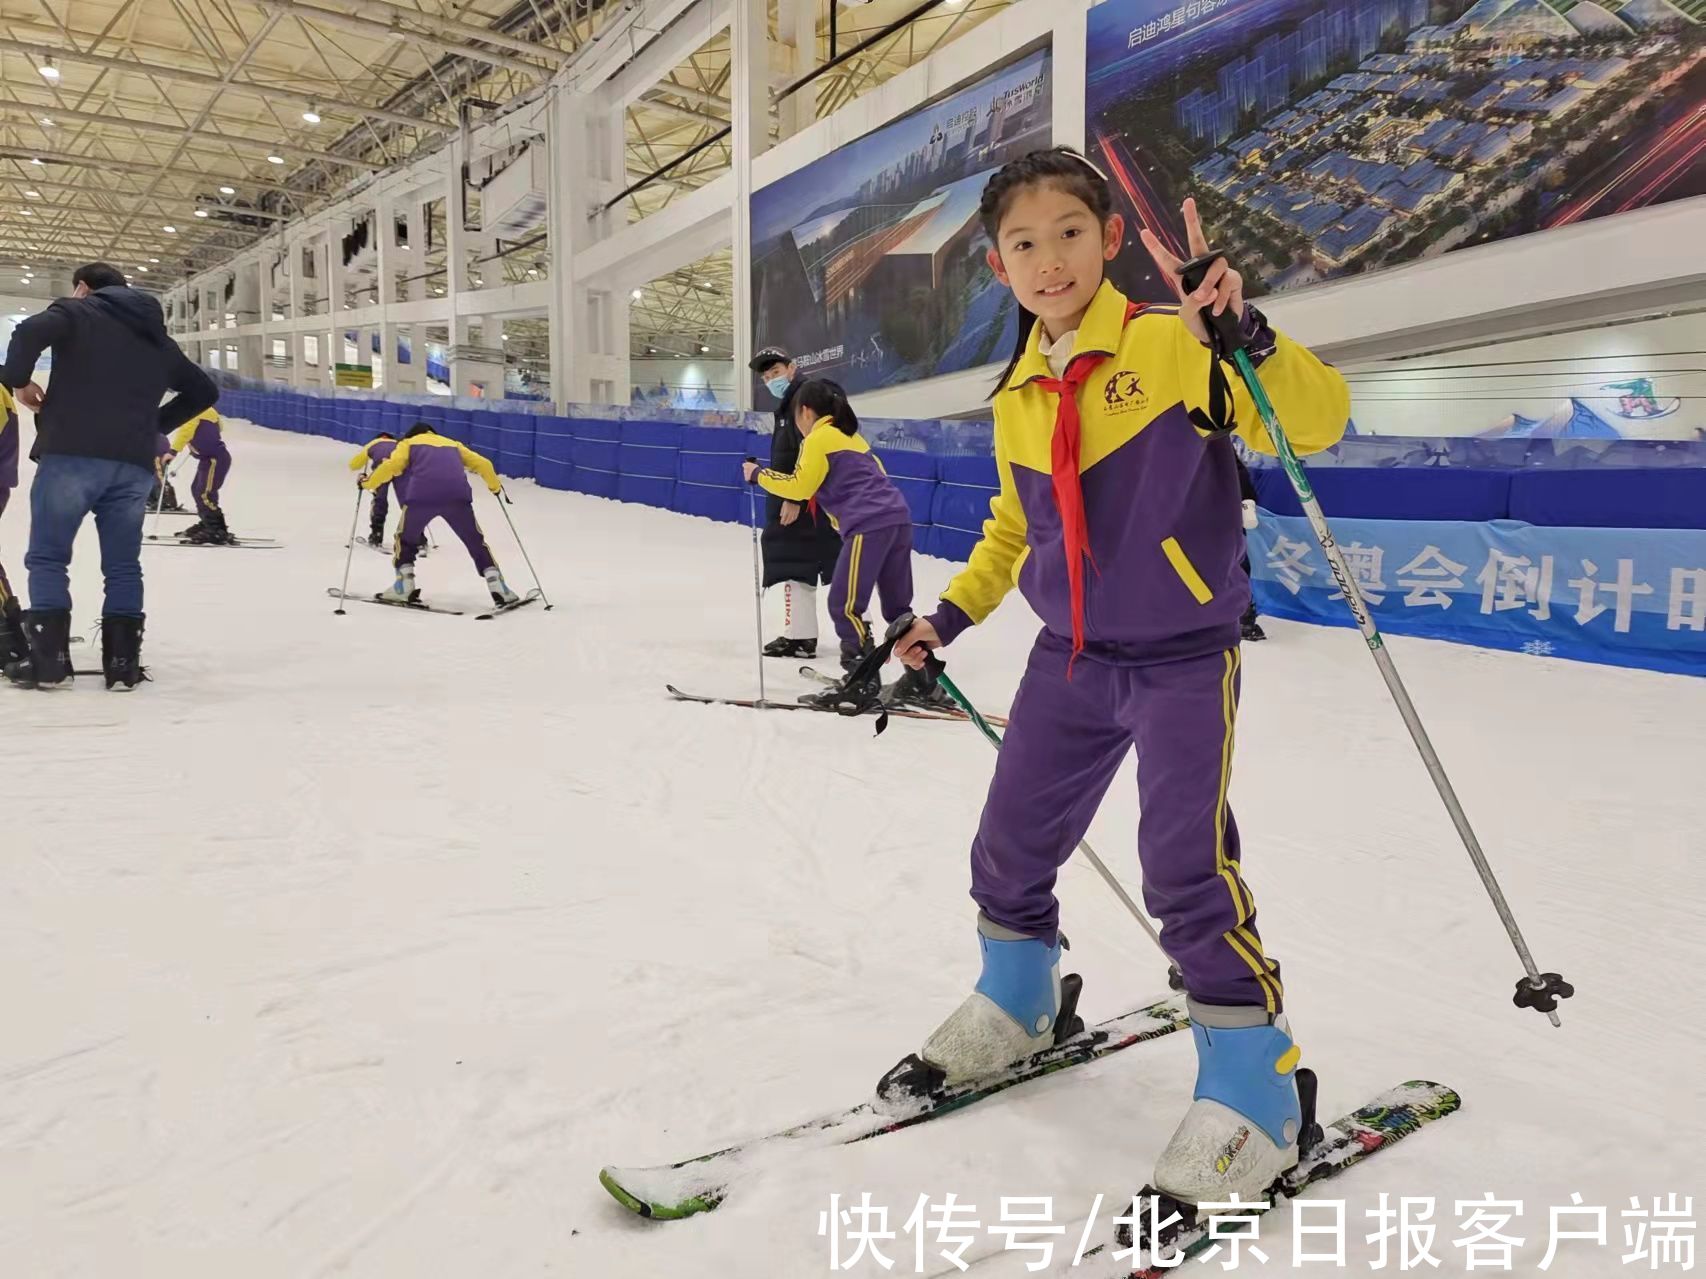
x,y
1062,167
827,399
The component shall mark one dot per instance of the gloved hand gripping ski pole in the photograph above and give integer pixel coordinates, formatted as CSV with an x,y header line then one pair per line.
x,y
1537,990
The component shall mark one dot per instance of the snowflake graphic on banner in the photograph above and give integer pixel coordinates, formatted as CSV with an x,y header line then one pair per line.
x,y
1539,648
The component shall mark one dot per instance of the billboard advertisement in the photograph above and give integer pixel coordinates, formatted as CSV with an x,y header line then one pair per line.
x,y
1323,138
868,264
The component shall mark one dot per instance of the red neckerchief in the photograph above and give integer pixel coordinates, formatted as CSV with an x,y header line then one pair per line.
x,y
1068,482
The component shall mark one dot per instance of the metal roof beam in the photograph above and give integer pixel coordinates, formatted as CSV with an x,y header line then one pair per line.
x,y
128,166
266,92
381,29
15,107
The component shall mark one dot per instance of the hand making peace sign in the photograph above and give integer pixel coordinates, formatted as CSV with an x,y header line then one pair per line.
x,y
1221,289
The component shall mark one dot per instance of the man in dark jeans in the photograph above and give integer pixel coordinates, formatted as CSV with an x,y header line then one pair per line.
x,y
800,544
97,434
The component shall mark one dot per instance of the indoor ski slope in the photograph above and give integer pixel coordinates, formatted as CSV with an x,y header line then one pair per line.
x,y
355,946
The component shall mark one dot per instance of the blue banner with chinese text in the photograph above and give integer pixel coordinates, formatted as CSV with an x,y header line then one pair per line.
x,y
1628,597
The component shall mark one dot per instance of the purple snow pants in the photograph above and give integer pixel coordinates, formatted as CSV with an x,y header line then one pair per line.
x,y
411,531
1065,741
210,474
880,559
5,585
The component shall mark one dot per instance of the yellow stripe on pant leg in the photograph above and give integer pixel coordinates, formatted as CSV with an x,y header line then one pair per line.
x,y
1264,979
1242,908
207,492
851,606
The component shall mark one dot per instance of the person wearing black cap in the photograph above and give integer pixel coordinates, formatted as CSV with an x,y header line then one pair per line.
x,y
801,546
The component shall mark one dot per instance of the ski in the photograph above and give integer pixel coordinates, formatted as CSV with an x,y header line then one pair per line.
x,y
752,703
237,544
414,606
531,597
1181,1234
944,712
669,1192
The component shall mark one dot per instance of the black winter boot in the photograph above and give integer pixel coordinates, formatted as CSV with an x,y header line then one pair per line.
x,y
782,646
849,696
212,532
915,688
850,659
14,647
48,632
121,651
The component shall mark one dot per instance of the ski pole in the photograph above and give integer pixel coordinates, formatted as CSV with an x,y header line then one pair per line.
x,y
939,672
757,584
1537,990
355,521
165,479
504,503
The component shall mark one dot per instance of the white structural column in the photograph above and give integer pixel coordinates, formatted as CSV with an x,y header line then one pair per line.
x,y
797,31
298,340
749,100
336,283
589,325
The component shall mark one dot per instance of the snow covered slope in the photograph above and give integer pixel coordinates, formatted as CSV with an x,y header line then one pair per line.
x,y
354,946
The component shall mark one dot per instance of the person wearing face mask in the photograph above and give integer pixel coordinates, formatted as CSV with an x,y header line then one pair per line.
x,y
800,544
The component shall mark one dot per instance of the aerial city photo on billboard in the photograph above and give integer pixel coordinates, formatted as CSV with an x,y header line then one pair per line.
x,y
868,264
1323,138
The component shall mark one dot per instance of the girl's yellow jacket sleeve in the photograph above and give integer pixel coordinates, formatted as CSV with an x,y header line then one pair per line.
x,y
478,464
809,473
1311,398
993,566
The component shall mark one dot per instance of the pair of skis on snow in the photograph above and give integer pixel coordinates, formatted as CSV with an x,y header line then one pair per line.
x,y
417,607
673,1191
235,544
902,710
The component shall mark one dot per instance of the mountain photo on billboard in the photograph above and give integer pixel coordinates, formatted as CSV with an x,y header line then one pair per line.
x,y
868,264
1324,138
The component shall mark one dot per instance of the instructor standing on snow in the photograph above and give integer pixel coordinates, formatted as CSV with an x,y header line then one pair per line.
x,y
800,545
97,435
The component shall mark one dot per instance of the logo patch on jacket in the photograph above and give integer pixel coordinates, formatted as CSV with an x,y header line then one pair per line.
x,y
1122,393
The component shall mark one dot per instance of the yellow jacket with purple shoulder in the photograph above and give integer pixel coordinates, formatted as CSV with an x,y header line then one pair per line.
x,y
434,469
204,436
1159,497
841,473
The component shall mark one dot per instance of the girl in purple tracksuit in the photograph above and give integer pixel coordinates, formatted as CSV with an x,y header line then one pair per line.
x,y
1118,520
838,471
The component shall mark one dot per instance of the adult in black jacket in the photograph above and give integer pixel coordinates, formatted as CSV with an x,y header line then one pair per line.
x,y
800,545
97,433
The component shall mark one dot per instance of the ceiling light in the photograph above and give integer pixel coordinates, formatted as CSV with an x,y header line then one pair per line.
x,y
275,159
29,213
311,115
170,230
533,270
704,350
153,259
47,122
34,195
35,160
636,295
49,71
504,338
227,190
201,213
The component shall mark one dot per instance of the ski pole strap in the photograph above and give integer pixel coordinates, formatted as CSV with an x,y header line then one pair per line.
x,y
1225,337
871,665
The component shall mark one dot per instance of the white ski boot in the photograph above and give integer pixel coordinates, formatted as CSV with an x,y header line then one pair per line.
x,y
501,594
403,590
1243,1128
1020,1006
